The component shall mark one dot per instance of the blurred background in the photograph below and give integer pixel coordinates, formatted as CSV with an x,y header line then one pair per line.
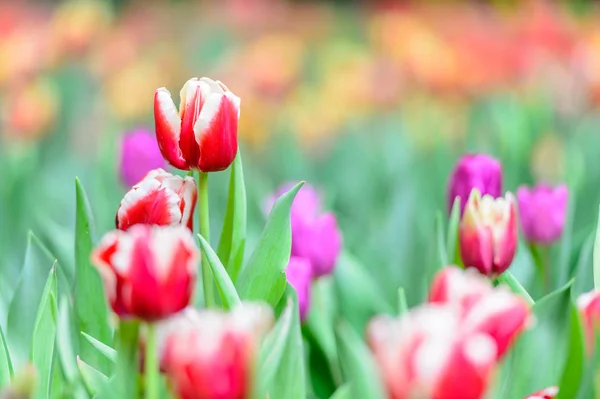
x,y
372,102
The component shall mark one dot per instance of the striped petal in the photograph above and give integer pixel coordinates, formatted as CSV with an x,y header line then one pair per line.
x,y
168,128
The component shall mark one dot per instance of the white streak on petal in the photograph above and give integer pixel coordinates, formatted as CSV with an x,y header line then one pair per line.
x,y
207,115
167,108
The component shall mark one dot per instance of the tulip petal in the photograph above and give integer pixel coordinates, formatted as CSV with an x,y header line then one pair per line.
x,y
193,98
168,128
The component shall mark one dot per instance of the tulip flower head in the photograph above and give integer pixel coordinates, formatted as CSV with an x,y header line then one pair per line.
x,y
148,271
488,233
213,358
589,307
299,275
542,210
159,199
139,155
475,171
202,135
547,393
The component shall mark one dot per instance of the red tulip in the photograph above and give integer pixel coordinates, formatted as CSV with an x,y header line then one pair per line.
x,y
548,393
148,271
589,306
203,133
161,199
426,354
488,233
213,358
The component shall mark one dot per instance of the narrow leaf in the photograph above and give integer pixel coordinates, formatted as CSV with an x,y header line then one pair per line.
x,y
44,333
516,287
229,295
233,235
343,392
89,299
93,379
442,255
452,233
105,350
402,305
573,370
65,350
263,278
6,370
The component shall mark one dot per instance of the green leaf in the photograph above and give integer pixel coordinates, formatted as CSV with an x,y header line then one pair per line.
x,y
570,381
402,305
93,379
263,278
44,333
23,308
442,255
282,370
6,370
65,349
105,350
229,295
359,297
233,236
358,365
532,349
124,382
89,299
597,257
452,233
516,287
343,392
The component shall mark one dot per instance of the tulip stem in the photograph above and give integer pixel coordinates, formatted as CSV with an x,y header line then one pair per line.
x,y
542,265
151,366
207,279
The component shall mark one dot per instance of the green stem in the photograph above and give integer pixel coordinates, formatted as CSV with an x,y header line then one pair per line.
x,y
207,279
541,265
151,367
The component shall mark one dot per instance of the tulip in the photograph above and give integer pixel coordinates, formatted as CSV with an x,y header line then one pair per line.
x,y
488,233
315,235
548,393
589,307
299,274
159,199
139,155
496,312
475,171
148,271
542,210
213,358
203,134
426,354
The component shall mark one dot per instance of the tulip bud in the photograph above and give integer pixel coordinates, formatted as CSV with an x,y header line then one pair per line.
x,y
542,211
213,358
315,235
589,307
203,133
148,272
548,393
139,155
425,354
476,171
160,199
488,233
497,312
299,275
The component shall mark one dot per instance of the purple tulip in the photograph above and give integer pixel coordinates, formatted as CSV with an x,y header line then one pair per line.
x,y
299,275
139,155
478,171
315,235
542,210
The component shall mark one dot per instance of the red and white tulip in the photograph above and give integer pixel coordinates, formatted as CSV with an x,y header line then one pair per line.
x,y
160,199
548,393
148,271
488,233
202,135
213,357
589,307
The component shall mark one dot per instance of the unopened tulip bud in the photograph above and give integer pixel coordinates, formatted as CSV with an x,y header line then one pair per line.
x,y
139,155
159,199
475,171
488,233
214,358
548,393
542,210
299,275
202,135
148,272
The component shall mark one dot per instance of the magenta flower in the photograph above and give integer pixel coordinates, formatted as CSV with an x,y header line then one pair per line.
x,y
478,171
315,235
139,155
542,210
299,275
